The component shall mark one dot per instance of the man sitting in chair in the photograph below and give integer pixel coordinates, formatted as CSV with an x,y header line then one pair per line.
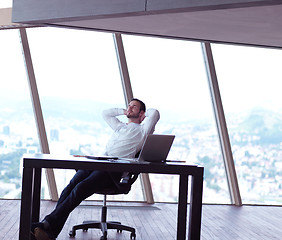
x,y
126,141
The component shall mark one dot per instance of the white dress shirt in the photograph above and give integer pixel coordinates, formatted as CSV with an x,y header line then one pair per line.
x,y
128,138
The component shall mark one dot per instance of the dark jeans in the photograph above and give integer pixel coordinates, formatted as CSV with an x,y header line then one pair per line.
x,y
82,185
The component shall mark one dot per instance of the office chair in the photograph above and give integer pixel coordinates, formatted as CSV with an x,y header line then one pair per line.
x,y
123,187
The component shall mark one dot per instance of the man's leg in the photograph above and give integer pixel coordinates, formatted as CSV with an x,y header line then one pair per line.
x,y
42,229
77,178
81,187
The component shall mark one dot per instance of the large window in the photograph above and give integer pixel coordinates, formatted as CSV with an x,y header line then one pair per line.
x,y
250,80
78,76
17,126
170,75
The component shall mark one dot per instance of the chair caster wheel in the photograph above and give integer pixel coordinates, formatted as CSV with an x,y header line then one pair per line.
x,y
132,236
72,234
104,237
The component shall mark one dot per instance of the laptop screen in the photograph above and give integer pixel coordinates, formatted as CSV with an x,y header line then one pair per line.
x,y
156,148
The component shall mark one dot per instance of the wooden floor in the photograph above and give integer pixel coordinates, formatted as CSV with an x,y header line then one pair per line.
x,y
158,221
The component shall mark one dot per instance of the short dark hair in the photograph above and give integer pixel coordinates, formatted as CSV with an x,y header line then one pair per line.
x,y
142,104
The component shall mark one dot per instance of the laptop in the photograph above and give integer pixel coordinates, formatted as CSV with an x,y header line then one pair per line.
x,y
156,148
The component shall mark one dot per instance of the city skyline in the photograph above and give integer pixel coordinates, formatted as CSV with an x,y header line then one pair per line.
x,y
167,74
196,143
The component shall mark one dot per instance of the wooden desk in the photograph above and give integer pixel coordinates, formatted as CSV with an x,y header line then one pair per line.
x,y
31,186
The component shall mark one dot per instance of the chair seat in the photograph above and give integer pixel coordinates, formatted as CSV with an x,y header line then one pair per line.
x,y
123,187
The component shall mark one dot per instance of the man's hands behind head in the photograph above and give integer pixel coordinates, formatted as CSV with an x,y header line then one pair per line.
x,y
142,117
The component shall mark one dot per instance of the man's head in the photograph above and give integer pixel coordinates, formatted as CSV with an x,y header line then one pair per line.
x,y
136,110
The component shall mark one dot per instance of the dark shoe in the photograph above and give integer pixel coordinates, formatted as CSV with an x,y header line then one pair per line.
x,y
40,233
36,225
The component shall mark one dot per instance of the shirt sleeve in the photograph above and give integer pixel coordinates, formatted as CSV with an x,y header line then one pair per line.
x,y
152,117
110,117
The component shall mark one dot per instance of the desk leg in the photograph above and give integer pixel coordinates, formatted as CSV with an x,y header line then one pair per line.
x,y
26,203
36,195
182,207
195,214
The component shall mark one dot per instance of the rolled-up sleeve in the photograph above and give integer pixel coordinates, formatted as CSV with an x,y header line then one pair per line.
x,y
110,117
152,117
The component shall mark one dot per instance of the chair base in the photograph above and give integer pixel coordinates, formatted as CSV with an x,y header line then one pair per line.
x,y
103,226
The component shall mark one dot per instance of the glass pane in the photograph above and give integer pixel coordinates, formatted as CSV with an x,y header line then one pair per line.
x,y
170,75
250,83
78,76
5,3
18,133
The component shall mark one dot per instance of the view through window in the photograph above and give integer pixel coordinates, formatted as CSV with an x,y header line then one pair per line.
x,y
170,75
250,81
18,133
78,77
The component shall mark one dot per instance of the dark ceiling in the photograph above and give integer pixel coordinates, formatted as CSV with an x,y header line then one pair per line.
x,y
259,23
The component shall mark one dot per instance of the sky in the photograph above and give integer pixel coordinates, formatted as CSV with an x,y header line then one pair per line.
x,y
168,73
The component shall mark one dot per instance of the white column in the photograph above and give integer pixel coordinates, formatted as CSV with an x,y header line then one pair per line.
x,y
37,112
221,126
128,95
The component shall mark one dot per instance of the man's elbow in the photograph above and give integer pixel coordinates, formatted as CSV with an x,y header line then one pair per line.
x,y
157,115
154,113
